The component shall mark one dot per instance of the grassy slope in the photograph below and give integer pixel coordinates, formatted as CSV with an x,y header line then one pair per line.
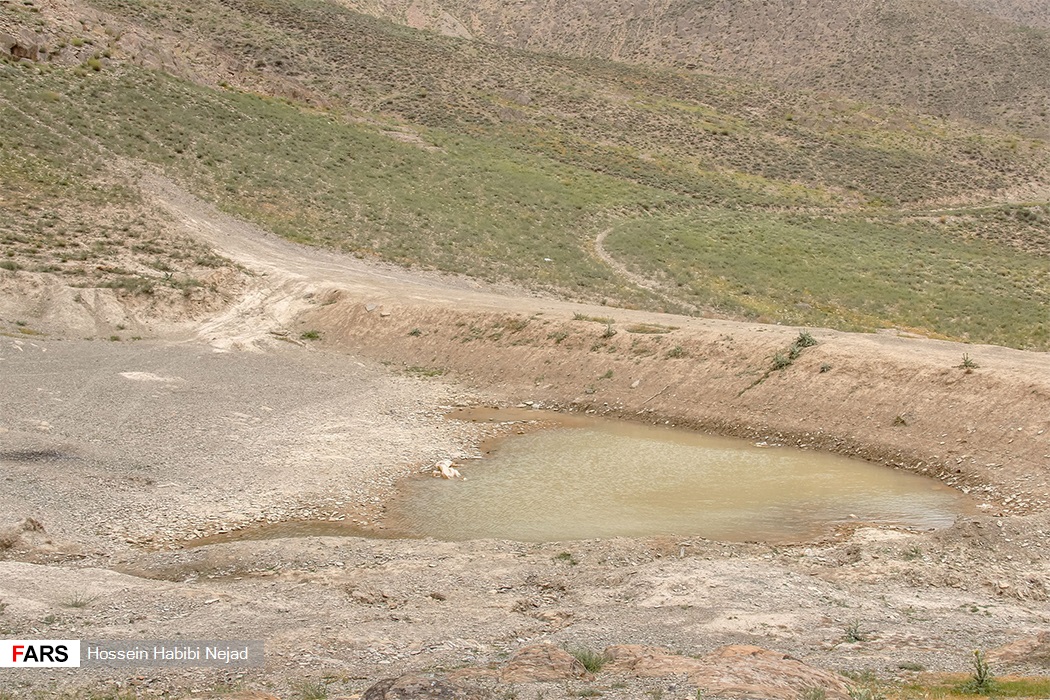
x,y
479,160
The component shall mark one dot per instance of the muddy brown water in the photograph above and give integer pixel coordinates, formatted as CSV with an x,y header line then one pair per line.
x,y
582,478
599,478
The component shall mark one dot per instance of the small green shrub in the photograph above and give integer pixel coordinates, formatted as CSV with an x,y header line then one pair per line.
x,y
805,340
981,680
311,690
593,661
968,363
911,554
310,335
858,693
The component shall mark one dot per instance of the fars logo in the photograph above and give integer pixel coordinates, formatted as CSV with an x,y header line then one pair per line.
x,y
39,653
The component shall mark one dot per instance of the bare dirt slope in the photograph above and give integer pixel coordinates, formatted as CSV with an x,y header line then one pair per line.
x,y
125,451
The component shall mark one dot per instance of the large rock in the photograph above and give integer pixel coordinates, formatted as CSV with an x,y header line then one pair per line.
x,y
25,45
735,671
645,661
419,687
542,662
1028,650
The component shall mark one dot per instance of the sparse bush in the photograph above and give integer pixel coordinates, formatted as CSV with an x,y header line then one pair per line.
x,y
424,371
311,690
609,331
558,336
79,600
133,284
854,632
968,363
805,340
310,335
912,553
649,328
675,352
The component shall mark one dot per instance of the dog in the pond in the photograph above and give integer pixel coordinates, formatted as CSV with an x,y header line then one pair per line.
x,y
445,470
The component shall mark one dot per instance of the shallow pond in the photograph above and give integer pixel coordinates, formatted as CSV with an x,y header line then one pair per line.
x,y
608,479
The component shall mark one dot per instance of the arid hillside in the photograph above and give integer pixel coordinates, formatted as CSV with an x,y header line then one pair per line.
x,y
987,61
653,187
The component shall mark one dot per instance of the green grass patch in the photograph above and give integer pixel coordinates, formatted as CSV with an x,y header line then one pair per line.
x,y
845,272
956,687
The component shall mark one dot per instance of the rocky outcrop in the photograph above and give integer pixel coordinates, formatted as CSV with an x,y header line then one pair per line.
x,y
23,45
420,687
733,671
542,662
1028,650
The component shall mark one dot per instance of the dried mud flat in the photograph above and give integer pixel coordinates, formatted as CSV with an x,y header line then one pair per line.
x,y
125,452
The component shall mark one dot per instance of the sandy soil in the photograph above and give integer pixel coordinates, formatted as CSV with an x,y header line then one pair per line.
x,y
127,451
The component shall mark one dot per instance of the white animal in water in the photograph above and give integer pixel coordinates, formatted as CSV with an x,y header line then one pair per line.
x,y
445,470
